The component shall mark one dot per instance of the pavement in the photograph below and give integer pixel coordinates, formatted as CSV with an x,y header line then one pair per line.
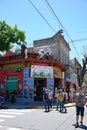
x,y
30,105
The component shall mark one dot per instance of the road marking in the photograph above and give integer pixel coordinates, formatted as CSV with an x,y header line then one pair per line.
x,y
18,110
7,116
14,113
1,120
9,128
14,129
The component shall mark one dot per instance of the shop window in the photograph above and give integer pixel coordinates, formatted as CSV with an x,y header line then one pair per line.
x,y
12,77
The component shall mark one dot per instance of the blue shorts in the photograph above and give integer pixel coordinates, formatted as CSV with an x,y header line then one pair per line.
x,y
79,111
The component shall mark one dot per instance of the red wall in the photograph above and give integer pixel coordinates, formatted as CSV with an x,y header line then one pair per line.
x,y
3,77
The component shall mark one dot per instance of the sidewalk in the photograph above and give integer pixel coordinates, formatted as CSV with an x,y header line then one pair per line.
x,y
28,105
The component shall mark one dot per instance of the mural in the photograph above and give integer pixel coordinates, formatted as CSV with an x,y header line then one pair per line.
x,y
28,90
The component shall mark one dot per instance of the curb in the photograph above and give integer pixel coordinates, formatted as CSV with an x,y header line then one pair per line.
x,y
54,107
32,106
72,105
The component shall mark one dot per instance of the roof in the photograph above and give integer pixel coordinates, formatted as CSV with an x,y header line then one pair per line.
x,y
9,53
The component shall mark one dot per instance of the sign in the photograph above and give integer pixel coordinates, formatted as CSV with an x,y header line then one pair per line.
x,y
41,71
57,72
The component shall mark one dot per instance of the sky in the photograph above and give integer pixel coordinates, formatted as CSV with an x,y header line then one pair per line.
x,y
36,19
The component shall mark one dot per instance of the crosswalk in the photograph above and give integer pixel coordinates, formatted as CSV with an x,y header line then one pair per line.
x,y
11,113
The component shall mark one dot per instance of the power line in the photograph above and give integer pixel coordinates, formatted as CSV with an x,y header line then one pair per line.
x,y
78,40
41,15
61,24
56,18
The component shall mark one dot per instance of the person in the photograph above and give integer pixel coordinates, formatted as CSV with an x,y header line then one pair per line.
x,y
50,96
35,93
65,96
61,101
46,100
13,96
58,100
1,100
80,103
72,91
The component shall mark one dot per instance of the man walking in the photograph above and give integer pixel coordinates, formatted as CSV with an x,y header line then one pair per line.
x,y
80,103
46,100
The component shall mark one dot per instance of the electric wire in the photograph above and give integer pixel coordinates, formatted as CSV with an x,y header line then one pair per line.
x,y
41,15
61,25
78,40
59,22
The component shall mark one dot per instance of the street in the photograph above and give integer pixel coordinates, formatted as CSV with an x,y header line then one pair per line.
x,y
37,119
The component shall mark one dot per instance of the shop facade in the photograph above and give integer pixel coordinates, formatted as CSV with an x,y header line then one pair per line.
x,y
29,77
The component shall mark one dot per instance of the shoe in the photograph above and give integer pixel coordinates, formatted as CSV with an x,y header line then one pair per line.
x,y
81,123
65,111
77,125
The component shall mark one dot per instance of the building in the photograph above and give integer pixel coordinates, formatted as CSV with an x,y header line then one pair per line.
x,y
59,48
28,77
56,45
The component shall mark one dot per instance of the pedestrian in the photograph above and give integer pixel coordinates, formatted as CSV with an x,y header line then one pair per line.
x,y
50,96
65,96
80,101
61,100
13,96
35,93
46,100
58,100
72,91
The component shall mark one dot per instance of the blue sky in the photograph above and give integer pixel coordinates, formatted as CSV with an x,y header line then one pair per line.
x,y
71,13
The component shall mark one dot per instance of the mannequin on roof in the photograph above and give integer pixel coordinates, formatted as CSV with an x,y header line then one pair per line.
x,y
24,50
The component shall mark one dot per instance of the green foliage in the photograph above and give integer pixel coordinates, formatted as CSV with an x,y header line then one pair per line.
x,y
10,35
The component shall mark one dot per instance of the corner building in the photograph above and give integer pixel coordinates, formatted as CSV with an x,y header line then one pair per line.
x,y
28,77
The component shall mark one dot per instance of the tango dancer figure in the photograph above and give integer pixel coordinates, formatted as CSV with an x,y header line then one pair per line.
x,y
24,50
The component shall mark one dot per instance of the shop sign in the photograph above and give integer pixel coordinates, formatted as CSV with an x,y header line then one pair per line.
x,y
13,66
41,71
57,72
72,78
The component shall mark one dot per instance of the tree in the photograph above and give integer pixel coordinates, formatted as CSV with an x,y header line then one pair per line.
x,y
82,71
10,35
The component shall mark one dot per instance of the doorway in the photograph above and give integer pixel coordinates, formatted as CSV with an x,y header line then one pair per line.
x,y
39,84
11,86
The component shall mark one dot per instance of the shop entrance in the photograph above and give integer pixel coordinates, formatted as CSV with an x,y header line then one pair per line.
x,y
38,87
11,86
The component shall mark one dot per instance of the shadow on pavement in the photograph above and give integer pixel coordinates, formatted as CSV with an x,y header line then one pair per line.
x,y
84,127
